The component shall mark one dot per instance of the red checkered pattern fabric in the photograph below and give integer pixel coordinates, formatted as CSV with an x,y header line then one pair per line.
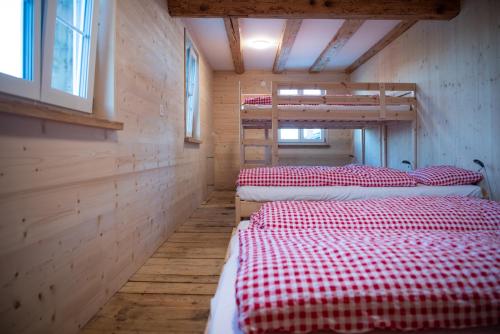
x,y
400,213
352,281
445,176
260,100
310,176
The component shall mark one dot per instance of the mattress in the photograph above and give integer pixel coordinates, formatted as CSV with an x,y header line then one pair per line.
x,y
223,308
344,193
322,107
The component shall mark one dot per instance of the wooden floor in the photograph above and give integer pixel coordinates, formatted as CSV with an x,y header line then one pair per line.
x,y
171,292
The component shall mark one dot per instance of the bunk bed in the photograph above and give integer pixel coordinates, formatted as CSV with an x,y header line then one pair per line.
x,y
342,105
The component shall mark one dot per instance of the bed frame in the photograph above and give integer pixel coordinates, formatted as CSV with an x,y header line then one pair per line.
x,y
243,209
356,95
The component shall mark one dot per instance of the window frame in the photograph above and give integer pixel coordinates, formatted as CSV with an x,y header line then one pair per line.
x,y
195,136
28,88
301,140
56,96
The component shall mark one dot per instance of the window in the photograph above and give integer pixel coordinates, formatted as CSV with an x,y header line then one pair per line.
x,y
191,64
304,92
301,136
66,75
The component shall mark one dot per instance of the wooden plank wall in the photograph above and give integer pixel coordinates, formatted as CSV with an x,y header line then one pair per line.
x,y
456,66
226,126
82,208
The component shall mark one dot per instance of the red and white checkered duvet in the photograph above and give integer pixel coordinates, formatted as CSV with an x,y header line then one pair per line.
x,y
350,175
454,213
352,281
355,266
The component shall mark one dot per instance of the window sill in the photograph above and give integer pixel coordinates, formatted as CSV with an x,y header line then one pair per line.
x,y
192,140
30,108
303,145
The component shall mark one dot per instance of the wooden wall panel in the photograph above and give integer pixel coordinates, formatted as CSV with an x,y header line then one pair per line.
x,y
456,67
82,208
226,126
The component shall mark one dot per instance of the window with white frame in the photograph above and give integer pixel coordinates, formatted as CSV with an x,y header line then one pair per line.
x,y
192,112
301,136
63,74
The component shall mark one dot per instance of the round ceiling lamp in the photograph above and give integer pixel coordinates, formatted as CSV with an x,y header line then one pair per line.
x,y
259,44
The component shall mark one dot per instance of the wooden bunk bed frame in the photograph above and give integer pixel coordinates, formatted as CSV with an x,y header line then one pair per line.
x,y
355,95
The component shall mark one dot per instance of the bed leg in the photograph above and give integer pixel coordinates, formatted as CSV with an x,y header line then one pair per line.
x,y
237,210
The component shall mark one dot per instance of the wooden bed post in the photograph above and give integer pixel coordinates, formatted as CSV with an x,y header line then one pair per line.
x,y
242,130
414,129
274,123
383,145
363,160
237,210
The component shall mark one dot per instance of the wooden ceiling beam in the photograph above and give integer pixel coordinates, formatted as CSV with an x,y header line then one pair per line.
x,y
333,9
348,28
290,32
233,36
386,40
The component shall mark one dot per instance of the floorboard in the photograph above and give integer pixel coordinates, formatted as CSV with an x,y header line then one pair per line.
x,y
171,292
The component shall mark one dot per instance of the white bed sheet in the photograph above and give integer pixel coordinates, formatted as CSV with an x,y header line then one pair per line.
x,y
224,313
297,107
343,193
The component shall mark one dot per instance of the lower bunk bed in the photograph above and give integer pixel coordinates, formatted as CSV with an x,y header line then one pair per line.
x,y
425,264
352,182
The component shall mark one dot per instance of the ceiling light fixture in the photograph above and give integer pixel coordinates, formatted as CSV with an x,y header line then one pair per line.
x,y
260,44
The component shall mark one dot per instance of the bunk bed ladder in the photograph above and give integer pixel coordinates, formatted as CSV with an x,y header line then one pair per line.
x,y
246,142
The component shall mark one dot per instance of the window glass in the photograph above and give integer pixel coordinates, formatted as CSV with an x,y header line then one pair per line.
x,y
314,92
312,134
72,46
16,38
289,134
299,136
192,91
289,92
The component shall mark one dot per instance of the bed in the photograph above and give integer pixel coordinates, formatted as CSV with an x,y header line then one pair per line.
x,y
446,287
284,183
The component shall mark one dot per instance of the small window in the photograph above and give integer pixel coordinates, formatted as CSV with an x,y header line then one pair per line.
x,y
301,136
192,115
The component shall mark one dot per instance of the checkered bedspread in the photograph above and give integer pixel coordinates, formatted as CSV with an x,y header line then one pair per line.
x,y
452,213
350,267
350,175
351,281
